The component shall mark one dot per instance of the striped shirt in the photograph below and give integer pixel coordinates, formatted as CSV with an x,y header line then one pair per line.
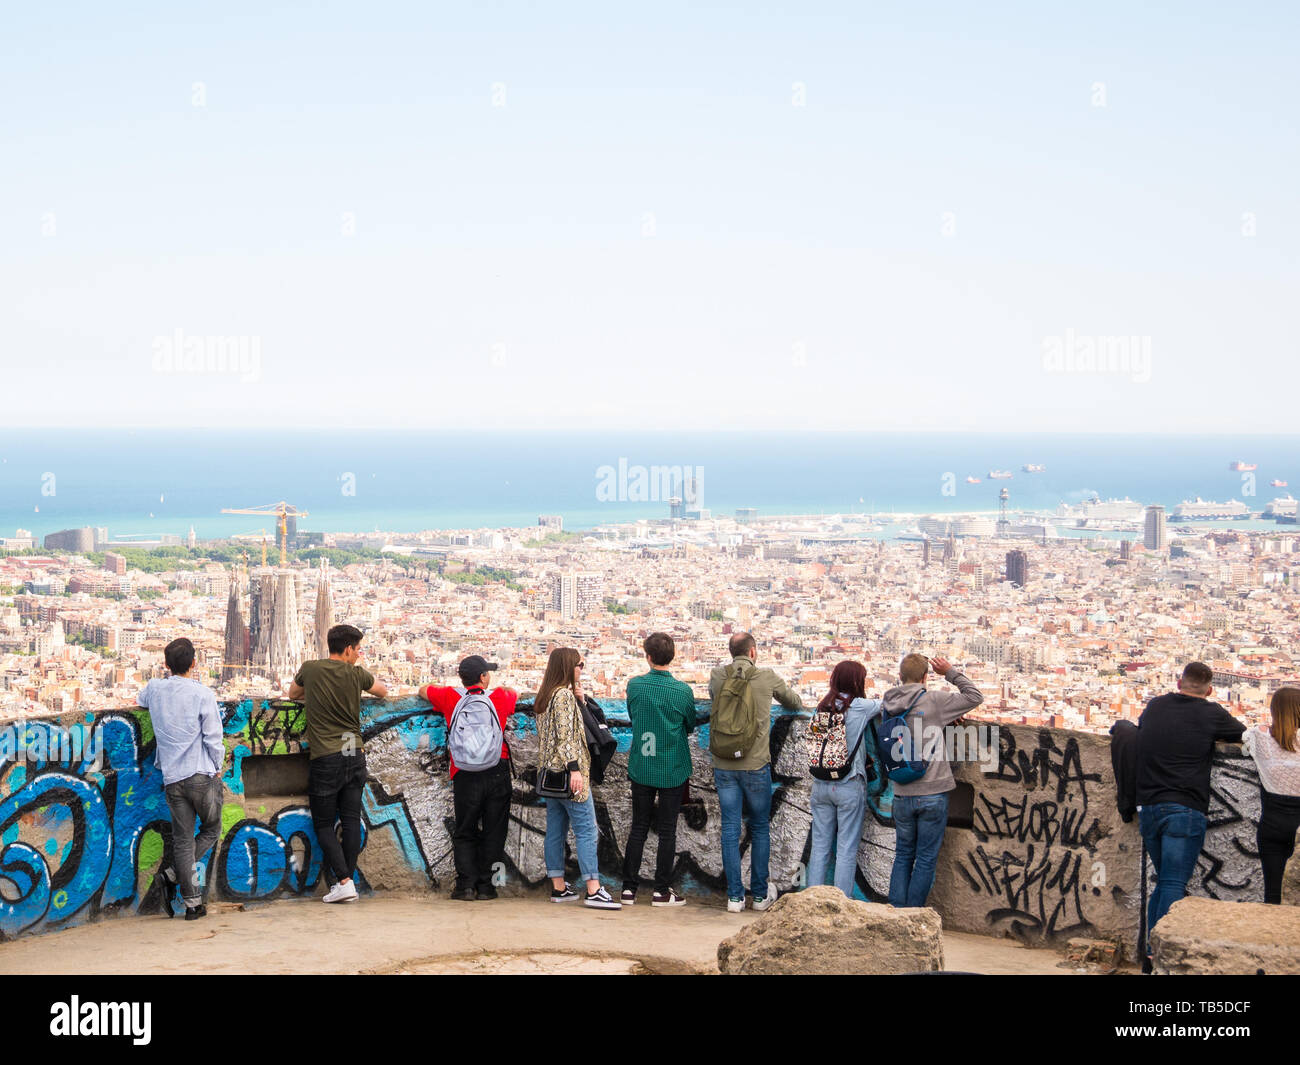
x,y
662,710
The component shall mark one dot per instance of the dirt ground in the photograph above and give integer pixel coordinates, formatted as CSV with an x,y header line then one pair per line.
x,y
400,934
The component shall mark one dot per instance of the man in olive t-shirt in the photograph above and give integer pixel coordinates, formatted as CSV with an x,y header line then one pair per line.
x,y
330,689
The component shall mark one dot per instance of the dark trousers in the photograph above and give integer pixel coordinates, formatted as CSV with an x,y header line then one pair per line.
x,y
1279,818
645,802
334,785
481,804
197,796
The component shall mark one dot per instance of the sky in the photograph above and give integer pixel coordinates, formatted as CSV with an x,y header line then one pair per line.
x,y
876,216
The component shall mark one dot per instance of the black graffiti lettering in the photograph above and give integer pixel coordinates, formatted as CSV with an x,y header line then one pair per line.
x,y
1038,891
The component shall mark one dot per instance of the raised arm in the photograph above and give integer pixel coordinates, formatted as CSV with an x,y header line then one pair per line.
x,y
786,696
953,705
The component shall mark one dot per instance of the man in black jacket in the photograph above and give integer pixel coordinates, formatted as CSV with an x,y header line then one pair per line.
x,y
1175,743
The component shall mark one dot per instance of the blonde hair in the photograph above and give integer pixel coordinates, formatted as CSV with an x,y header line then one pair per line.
x,y
913,669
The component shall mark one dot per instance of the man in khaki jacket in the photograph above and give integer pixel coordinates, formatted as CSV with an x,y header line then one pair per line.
x,y
745,784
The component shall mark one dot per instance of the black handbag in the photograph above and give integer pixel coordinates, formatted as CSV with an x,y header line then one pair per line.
x,y
554,784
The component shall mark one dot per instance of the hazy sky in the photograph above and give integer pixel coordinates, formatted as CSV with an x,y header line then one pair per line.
x,y
849,215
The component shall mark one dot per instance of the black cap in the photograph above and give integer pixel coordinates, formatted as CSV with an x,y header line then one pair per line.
x,y
472,669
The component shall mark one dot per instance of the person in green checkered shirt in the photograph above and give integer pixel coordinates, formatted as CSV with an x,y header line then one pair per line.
x,y
662,710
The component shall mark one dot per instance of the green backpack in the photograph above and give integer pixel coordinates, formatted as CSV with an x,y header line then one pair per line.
x,y
734,721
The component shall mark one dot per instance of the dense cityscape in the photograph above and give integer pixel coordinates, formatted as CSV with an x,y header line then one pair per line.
x,y
1072,632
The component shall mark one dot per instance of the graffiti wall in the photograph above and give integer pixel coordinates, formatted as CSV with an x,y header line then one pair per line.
x,y
1047,857
84,825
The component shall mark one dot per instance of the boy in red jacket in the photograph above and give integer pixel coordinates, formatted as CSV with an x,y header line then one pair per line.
x,y
481,799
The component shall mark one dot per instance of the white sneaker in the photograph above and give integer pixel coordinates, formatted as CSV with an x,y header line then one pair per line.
x,y
341,892
736,905
764,904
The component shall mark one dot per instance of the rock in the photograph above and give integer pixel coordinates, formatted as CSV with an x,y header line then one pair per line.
x,y
1216,937
1104,952
820,931
1291,877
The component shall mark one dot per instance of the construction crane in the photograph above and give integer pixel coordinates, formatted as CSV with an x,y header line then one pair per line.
x,y
283,511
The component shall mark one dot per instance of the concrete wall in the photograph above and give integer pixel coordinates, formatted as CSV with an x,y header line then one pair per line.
x,y
1046,856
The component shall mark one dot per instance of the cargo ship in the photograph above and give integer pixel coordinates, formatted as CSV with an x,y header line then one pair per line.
x,y
972,480
1275,483
1242,467
999,475
1199,509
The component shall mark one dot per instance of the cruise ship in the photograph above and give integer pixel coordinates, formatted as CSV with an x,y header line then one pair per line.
x,y
1242,467
1281,507
1096,510
973,526
999,475
1202,510
1033,467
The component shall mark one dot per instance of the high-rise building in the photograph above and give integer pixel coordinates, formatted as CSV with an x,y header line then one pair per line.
x,y
551,521
675,508
576,593
1017,568
192,539
746,514
1155,537
925,552
114,563
79,540
1126,549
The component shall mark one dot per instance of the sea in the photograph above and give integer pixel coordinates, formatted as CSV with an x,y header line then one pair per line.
x,y
144,483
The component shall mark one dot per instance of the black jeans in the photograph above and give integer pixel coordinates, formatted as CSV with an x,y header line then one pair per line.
x,y
334,784
197,795
669,802
481,803
1279,817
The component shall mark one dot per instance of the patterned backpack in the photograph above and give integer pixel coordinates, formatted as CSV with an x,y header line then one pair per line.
x,y
829,757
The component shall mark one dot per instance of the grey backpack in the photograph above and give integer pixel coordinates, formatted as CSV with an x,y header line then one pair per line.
x,y
474,735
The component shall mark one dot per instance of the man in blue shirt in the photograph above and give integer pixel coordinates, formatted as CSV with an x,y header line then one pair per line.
x,y
189,751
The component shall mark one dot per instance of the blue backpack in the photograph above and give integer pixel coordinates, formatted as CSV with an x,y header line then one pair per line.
x,y
895,739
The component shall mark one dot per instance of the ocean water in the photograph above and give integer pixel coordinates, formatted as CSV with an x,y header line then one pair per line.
x,y
144,483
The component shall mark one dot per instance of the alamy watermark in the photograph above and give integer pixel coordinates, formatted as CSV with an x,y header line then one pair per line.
x,y
627,483
178,353
1080,353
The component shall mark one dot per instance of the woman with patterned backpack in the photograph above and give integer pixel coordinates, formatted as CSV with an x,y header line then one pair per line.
x,y
840,748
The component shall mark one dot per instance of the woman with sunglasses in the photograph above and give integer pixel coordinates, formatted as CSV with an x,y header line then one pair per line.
x,y
562,745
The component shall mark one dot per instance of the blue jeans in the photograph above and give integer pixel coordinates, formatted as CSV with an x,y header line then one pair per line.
x,y
745,794
1174,834
838,808
560,815
919,823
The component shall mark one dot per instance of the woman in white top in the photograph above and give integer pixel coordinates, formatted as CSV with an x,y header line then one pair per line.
x,y
1276,750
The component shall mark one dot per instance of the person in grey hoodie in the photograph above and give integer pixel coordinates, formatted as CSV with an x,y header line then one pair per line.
x,y
921,807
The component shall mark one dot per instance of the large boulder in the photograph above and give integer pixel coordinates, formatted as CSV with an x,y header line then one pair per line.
x,y
820,931
1291,877
1216,937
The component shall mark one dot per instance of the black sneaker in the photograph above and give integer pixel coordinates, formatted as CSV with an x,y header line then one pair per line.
x,y
567,895
602,900
193,913
667,898
463,894
485,892
629,897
